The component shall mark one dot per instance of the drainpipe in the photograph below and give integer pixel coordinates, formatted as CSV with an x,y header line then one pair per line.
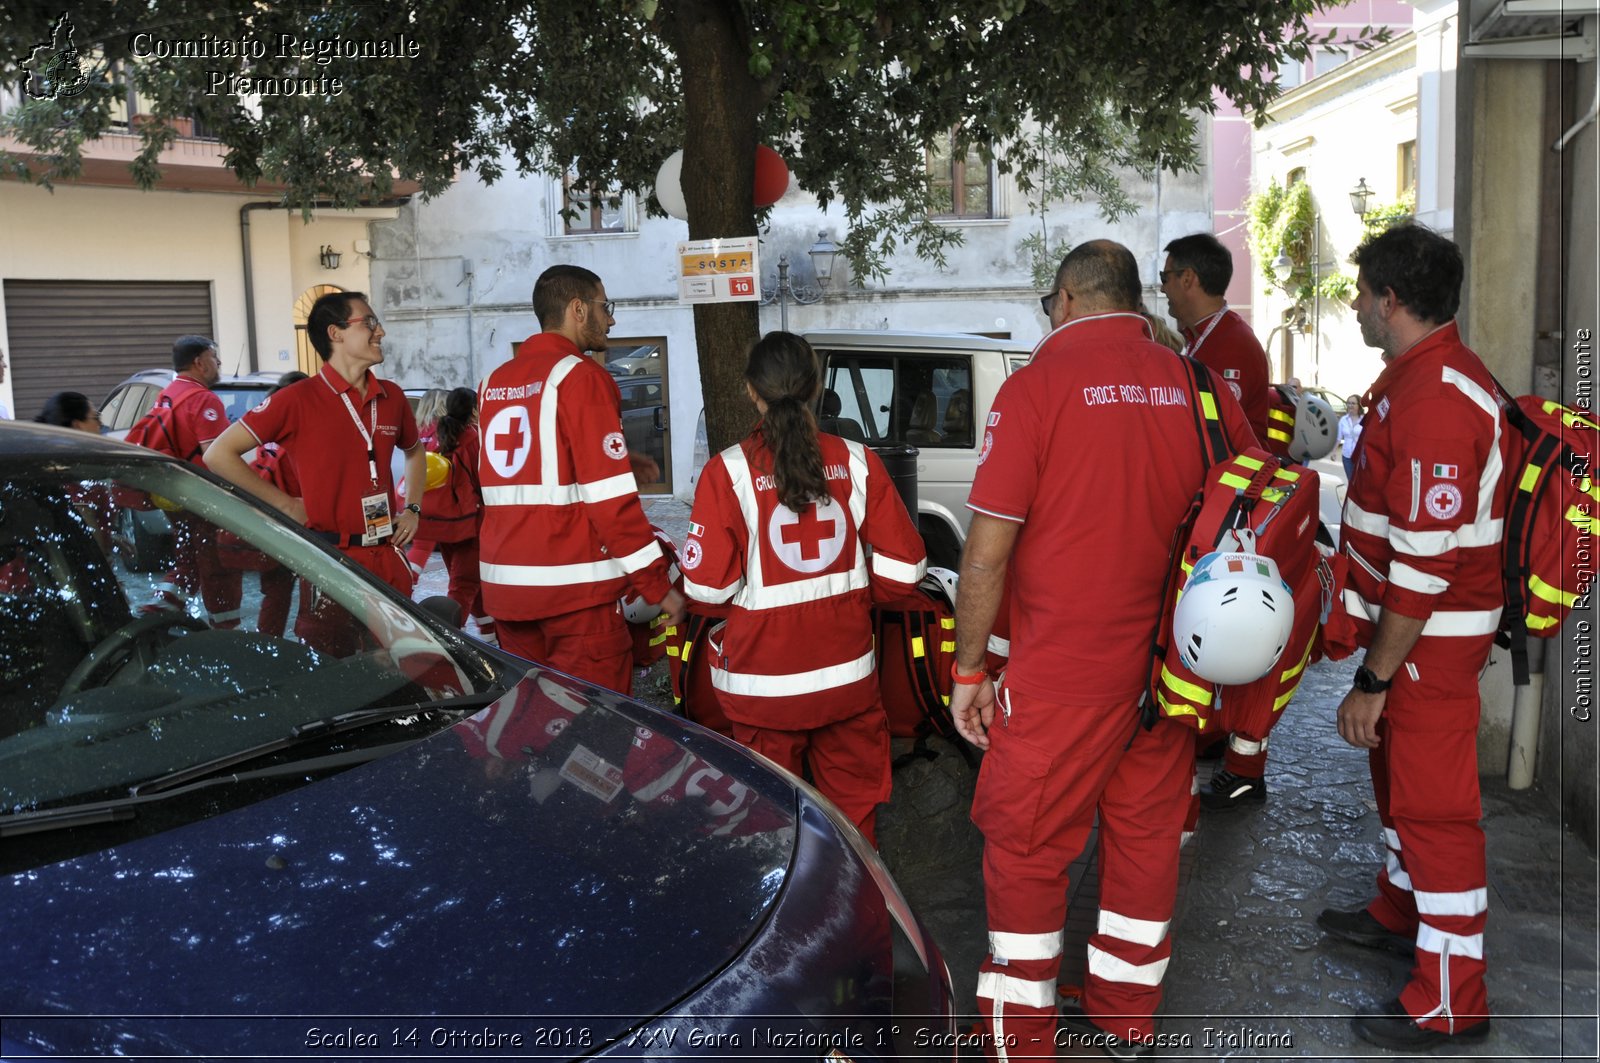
x,y
1526,705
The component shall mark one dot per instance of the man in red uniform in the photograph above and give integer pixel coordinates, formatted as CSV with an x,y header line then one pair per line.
x,y
1195,282
1422,529
340,428
563,534
197,418
1091,456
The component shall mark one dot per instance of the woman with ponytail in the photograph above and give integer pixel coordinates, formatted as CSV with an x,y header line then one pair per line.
x,y
778,540
451,509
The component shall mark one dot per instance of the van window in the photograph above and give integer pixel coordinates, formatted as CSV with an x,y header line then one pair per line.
x,y
924,400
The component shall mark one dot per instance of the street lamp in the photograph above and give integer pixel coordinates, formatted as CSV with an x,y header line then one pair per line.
x,y
1359,196
822,255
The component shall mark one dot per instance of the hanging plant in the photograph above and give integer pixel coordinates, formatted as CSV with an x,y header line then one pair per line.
x,y
1281,221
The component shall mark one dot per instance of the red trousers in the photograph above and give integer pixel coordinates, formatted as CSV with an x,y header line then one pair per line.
x,y
1049,769
197,569
849,761
1433,884
591,644
325,625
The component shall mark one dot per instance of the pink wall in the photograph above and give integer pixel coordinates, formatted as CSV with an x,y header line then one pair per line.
x,y
1231,151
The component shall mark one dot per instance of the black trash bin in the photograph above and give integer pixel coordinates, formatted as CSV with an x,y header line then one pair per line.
x,y
901,462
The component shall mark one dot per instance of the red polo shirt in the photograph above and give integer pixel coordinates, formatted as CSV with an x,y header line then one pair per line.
x,y
198,415
1232,351
1093,447
316,428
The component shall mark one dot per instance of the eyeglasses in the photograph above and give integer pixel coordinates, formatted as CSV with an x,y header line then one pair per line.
x,y
1165,273
1047,301
610,305
371,321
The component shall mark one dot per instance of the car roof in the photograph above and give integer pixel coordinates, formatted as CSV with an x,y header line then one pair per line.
x,y
897,340
26,439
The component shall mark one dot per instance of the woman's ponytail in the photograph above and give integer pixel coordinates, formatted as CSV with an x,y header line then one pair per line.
x,y
783,371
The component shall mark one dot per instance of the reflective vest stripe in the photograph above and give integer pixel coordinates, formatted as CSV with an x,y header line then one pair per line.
x,y
1553,595
571,575
1463,623
545,494
1200,695
776,686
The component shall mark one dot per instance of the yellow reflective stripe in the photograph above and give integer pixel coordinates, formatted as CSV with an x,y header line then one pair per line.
x,y
1569,417
1208,405
1276,433
1530,477
673,651
1298,670
1246,461
1286,474
1583,521
1184,689
1234,480
1274,495
1280,415
659,639
947,622
1554,595
918,647
1304,657
1539,623
1181,710
947,647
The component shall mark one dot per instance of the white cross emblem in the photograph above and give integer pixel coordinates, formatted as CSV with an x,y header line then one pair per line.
x,y
509,440
809,541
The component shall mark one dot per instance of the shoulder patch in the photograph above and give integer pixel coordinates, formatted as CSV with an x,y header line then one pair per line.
x,y
614,446
1444,500
209,413
691,554
994,418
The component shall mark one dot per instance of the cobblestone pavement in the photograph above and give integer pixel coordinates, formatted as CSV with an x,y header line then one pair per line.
x,y
1251,975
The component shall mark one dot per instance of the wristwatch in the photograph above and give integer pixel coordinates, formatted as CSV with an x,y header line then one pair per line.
x,y
414,507
1368,682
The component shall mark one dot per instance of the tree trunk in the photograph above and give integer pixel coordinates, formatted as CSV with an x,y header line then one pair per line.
x,y
721,105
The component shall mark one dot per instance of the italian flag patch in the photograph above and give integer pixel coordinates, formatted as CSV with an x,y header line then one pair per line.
x,y
1445,472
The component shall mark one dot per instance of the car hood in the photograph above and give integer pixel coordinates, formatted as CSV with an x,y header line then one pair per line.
x,y
558,853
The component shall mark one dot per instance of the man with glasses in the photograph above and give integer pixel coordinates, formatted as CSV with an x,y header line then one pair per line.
x,y
340,428
1195,282
564,535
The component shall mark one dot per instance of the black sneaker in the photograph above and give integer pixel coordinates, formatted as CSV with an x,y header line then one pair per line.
x,y
1227,790
1391,1027
1085,1034
1362,928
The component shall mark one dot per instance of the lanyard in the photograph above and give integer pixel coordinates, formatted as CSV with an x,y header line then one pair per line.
x,y
1193,349
372,450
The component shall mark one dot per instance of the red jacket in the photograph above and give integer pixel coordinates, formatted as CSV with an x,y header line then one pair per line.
x,y
562,525
1231,350
1424,512
796,650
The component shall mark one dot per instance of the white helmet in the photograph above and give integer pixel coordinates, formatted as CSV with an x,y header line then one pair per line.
x,y
635,610
1316,429
941,583
1233,620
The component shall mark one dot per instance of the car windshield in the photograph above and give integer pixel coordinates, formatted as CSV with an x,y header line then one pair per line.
x,y
152,623
240,399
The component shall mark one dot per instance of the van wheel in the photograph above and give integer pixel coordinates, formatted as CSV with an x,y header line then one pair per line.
x,y
940,543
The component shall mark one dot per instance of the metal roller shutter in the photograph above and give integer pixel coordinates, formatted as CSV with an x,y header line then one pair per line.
x,y
89,336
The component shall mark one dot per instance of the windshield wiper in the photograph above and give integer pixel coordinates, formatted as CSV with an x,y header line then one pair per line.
x,y
310,731
122,809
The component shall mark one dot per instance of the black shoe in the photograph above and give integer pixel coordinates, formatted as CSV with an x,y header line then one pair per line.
x,y
1227,790
1391,1027
1362,928
1084,1033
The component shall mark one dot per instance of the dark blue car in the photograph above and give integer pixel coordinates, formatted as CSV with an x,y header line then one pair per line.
x,y
374,837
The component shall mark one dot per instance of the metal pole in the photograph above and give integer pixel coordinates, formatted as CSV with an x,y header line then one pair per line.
x,y
1316,298
783,292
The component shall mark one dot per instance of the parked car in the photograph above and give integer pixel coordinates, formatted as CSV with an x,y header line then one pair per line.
x,y
643,360
644,416
931,390
224,842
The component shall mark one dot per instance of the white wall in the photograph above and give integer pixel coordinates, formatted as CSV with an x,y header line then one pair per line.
x,y
455,277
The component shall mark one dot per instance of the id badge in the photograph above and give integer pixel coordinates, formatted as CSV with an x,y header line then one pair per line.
x,y
375,510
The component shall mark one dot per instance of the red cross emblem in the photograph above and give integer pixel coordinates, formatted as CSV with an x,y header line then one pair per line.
x,y
615,446
509,440
808,541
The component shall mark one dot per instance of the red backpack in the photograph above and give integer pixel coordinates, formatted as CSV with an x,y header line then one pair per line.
x,y
1252,495
915,638
689,665
1552,518
158,429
